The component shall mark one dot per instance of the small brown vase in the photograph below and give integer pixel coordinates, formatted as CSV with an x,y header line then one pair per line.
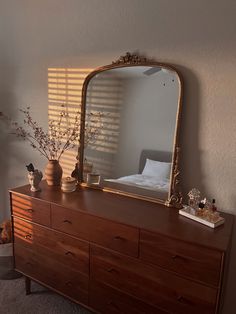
x,y
53,172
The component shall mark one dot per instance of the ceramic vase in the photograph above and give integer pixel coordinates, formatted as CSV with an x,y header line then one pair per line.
x,y
35,178
53,172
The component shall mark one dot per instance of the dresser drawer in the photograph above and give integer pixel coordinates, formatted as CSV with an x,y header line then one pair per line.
x,y
108,301
112,235
31,209
192,261
151,284
63,248
115,236
52,273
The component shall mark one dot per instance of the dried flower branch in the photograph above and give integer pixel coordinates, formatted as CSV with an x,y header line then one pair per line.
x,y
62,134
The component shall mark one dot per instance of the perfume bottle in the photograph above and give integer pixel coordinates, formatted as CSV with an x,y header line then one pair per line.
x,y
194,198
213,206
200,210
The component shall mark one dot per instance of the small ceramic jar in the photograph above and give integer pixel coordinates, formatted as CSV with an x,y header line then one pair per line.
x,y
68,184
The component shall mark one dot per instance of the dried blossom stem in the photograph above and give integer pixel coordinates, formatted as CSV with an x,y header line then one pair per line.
x,y
57,140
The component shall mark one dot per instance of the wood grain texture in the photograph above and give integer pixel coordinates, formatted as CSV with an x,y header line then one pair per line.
x,y
31,209
185,259
55,274
136,256
67,250
151,284
137,213
113,235
112,301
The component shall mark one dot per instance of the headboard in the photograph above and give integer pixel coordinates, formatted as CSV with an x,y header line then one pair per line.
x,y
153,155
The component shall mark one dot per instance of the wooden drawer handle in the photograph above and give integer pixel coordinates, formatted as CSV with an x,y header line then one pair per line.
x,y
182,299
29,264
29,210
174,257
67,221
69,284
119,238
28,236
112,270
111,303
69,253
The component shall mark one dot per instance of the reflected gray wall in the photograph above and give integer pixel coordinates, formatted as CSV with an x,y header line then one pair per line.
x,y
148,118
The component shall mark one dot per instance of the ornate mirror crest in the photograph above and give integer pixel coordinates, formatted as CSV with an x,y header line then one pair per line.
x,y
131,67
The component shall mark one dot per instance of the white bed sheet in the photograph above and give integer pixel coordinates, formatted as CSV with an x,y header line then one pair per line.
x,y
143,181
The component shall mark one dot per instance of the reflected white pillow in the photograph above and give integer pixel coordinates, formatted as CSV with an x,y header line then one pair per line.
x,y
157,169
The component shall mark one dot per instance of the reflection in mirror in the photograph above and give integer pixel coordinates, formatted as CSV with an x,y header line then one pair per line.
x,y
136,132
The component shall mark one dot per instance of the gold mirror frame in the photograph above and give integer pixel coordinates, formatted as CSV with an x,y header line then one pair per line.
x,y
132,60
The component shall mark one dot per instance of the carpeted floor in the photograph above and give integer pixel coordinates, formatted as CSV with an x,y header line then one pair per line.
x,y
42,301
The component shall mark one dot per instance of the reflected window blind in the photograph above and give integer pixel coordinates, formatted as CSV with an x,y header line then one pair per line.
x,y
105,96
65,88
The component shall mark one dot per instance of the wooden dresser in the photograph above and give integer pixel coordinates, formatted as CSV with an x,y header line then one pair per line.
x,y
115,254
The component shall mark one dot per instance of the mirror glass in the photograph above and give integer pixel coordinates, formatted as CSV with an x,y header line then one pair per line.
x,y
130,129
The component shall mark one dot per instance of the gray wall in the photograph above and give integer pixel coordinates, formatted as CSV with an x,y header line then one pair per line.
x,y
197,36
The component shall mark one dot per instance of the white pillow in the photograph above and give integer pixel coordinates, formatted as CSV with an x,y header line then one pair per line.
x,y
157,169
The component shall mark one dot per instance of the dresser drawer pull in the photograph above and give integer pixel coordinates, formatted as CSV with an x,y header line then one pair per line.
x,y
112,270
111,303
67,221
28,236
119,238
29,210
69,284
174,257
29,264
69,253
181,299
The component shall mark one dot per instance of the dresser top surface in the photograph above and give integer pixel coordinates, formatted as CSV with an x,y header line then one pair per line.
x,y
138,213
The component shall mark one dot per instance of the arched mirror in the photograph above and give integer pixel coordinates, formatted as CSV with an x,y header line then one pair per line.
x,y
130,125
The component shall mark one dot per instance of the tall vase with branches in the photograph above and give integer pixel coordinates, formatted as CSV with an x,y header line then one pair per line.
x,y
63,134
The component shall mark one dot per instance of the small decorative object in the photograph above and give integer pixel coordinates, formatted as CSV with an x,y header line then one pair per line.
x,y
130,58
68,184
88,168
75,172
35,176
205,213
93,179
5,232
92,131
53,172
6,252
213,206
194,198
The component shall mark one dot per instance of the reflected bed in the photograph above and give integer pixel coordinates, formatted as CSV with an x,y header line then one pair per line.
x,y
145,183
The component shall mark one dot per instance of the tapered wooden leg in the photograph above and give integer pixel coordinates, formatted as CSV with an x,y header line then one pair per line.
x,y
27,285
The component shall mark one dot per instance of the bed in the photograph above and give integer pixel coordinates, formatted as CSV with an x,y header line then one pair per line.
x,y
153,178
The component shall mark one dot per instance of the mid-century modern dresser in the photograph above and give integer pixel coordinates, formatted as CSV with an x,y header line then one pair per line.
x,y
115,254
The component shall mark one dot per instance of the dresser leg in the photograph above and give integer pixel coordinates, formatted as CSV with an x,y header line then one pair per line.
x,y
27,285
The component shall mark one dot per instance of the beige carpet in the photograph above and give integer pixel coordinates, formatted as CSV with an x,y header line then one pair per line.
x,y
42,301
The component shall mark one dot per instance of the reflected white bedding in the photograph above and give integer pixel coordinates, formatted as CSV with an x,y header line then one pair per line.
x,y
143,181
